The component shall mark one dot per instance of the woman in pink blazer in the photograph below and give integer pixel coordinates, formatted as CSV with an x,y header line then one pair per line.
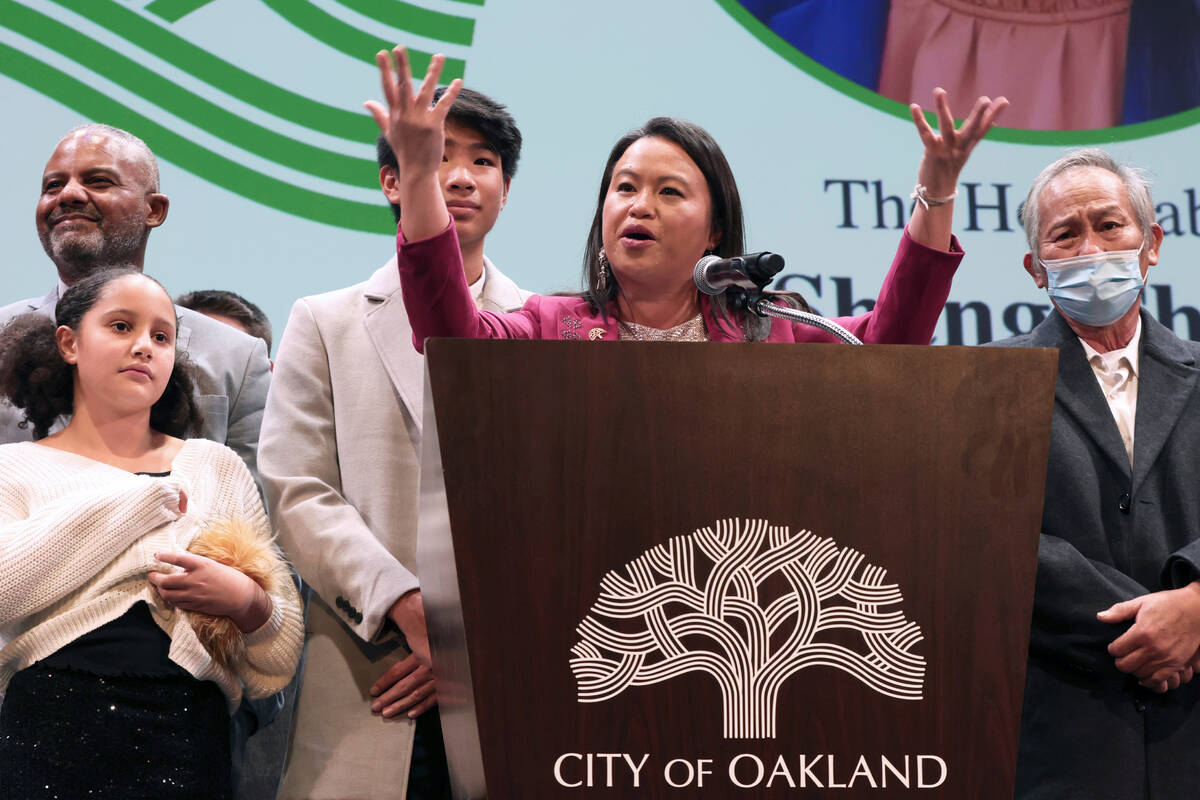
x,y
667,197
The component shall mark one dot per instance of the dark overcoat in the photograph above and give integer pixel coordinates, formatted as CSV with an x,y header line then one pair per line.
x,y
1109,534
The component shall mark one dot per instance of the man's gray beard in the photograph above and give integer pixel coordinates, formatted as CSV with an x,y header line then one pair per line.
x,y
78,255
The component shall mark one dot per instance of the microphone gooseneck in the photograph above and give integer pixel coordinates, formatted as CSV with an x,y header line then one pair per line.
x,y
767,309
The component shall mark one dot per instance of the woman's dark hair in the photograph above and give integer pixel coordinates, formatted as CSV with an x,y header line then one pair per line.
x,y
727,218
36,380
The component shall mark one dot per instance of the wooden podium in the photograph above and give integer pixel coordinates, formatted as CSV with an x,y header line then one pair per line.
x,y
760,570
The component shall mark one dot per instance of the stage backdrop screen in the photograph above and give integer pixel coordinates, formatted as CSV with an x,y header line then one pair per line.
x,y
254,108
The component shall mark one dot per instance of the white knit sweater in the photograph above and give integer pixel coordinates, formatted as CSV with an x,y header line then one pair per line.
x,y
78,537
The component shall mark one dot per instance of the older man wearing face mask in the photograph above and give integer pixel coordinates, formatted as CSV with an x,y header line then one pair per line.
x,y
1110,708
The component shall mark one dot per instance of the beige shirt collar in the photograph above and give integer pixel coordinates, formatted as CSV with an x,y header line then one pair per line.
x,y
1113,357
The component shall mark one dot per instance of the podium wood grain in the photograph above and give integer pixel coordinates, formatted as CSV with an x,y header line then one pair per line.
x,y
549,464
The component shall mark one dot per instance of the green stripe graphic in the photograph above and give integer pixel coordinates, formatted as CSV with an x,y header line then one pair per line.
x,y
186,105
394,13
262,140
175,10
331,31
414,19
231,79
192,157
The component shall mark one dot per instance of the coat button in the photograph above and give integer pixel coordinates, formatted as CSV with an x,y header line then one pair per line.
x,y
358,617
1140,705
1124,503
340,602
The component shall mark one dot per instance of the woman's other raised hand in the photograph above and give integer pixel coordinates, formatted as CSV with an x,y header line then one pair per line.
x,y
415,127
946,152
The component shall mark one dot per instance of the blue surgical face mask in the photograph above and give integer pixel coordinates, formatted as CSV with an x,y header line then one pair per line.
x,y
1096,289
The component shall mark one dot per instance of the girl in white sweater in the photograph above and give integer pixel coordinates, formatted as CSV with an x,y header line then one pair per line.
x,y
121,652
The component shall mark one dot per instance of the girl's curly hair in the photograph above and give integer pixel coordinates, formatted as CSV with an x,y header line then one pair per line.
x,y
35,379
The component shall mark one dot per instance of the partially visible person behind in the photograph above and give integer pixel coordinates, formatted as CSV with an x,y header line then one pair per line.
x,y
100,199
667,197
266,749
340,464
1110,707
140,593
230,308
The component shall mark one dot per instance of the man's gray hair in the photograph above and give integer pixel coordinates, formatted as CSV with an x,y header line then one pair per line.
x,y
146,155
1135,182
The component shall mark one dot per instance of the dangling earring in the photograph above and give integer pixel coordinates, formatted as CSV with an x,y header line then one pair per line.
x,y
602,272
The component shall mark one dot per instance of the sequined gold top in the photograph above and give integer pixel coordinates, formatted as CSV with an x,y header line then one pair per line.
x,y
693,330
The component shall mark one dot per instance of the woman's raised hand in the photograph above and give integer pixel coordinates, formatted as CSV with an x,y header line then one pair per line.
x,y
416,130
413,125
946,152
947,149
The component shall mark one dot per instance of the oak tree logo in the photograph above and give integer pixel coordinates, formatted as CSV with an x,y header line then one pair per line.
x,y
751,604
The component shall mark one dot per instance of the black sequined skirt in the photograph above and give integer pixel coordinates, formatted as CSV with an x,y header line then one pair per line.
x,y
68,734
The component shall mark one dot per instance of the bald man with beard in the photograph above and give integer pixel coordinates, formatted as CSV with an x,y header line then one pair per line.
x,y
99,201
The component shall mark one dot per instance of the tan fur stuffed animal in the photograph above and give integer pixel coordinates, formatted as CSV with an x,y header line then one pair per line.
x,y
249,550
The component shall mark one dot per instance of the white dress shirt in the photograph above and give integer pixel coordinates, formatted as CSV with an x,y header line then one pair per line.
x,y
476,288
1117,373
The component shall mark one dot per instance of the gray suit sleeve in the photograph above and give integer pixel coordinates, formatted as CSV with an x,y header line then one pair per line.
x,y
246,408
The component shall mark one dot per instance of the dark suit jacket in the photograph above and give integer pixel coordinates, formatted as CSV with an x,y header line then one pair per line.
x,y
1110,534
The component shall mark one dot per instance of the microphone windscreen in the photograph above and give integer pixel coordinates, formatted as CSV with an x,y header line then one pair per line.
x,y
700,275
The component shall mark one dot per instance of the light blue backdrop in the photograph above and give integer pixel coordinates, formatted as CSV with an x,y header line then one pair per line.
x,y
575,76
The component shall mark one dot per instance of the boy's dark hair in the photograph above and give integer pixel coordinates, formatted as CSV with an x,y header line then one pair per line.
x,y
480,113
232,305
35,379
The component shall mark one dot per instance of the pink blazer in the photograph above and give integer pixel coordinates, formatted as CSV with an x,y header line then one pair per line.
x,y
439,303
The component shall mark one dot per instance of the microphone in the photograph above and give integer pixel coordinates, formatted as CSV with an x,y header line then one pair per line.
x,y
751,272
